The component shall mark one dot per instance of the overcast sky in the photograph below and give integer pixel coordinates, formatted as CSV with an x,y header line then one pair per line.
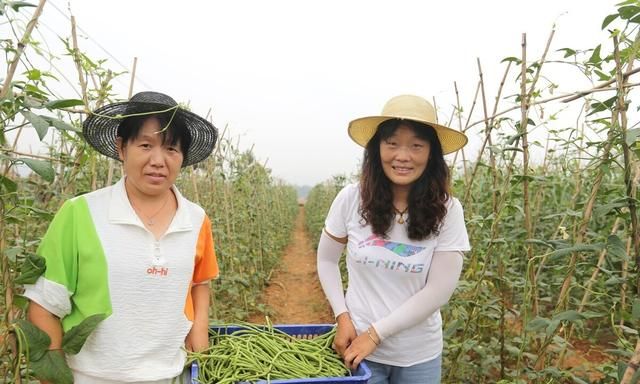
x,y
288,76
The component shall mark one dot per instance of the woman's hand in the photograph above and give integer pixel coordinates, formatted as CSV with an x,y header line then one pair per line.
x,y
198,339
361,347
345,333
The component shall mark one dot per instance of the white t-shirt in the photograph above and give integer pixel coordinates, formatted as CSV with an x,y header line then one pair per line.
x,y
384,273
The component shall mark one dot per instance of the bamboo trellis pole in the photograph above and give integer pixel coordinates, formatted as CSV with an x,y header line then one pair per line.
x,y
6,270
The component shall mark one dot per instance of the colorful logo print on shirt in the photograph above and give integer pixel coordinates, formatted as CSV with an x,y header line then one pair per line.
x,y
402,250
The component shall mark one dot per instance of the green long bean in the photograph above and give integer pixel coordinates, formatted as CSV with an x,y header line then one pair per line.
x,y
255,353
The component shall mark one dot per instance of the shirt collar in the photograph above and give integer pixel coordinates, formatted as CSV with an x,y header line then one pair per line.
x,y
121,211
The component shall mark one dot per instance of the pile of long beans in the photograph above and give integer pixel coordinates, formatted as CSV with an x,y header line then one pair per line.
x,y
255,353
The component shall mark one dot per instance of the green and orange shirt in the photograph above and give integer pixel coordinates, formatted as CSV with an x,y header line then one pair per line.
x,y
101,259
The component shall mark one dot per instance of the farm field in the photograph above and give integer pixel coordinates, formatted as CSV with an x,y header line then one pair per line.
x,y
293,294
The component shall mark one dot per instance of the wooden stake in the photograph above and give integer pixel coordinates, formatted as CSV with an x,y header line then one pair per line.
x,y
77,61
111,161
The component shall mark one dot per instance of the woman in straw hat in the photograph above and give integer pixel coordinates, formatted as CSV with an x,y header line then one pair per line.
x,y
404,235
137,252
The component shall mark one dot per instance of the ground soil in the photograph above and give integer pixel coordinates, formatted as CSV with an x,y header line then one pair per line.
x,y
584,358
294,294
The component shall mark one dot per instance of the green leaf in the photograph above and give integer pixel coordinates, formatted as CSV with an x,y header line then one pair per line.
x,y
578,380
32,268
553,371
8,184
453,327
600,106
628,12
632,136
607,20
571,315
602,76
635,311
42,168
635,379
576,248
16,5
597,107
63,103
13,252
615,247
21,302
33,103
52,367
628,330
41,213
622,366
64,126
537,324
567,52
614,280
610,101
37,340
511,59
34,91
551,328
510,140
591,314
34,74
609,208
529,122
538,242
74,339
41,125
521,179
595,56
514,149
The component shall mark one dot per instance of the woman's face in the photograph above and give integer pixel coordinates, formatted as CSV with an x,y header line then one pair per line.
x,y
404,156
151,166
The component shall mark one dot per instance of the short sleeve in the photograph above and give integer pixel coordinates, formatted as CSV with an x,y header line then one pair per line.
x,y
206,263
336,221
59,248
453,234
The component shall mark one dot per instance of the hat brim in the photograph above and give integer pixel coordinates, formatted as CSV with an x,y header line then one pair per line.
x,y
363,129
100,128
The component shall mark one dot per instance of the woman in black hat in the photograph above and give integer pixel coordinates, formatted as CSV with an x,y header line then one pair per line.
x,y
404,235
137,252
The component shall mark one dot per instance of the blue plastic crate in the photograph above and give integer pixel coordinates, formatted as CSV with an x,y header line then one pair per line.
x,y
305,331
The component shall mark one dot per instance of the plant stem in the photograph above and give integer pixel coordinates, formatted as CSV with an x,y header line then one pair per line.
x,y
524,123
11,70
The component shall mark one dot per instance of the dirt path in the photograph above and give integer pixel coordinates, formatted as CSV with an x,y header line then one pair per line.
x,y
294,294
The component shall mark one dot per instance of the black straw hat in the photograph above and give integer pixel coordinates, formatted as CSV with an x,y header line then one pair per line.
x,y
100,128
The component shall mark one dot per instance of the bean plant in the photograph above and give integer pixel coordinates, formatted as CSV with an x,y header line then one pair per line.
x,y
318,203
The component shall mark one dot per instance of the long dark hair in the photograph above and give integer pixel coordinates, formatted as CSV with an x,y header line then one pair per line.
x,y
428,194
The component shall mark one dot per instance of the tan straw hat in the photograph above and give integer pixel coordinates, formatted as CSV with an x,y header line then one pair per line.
x,y
407,107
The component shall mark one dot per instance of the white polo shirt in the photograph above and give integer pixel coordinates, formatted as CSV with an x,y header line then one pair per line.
x,y
101,259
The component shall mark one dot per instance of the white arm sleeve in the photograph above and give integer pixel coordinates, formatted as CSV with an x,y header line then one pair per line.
x,y
442,280
329,253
